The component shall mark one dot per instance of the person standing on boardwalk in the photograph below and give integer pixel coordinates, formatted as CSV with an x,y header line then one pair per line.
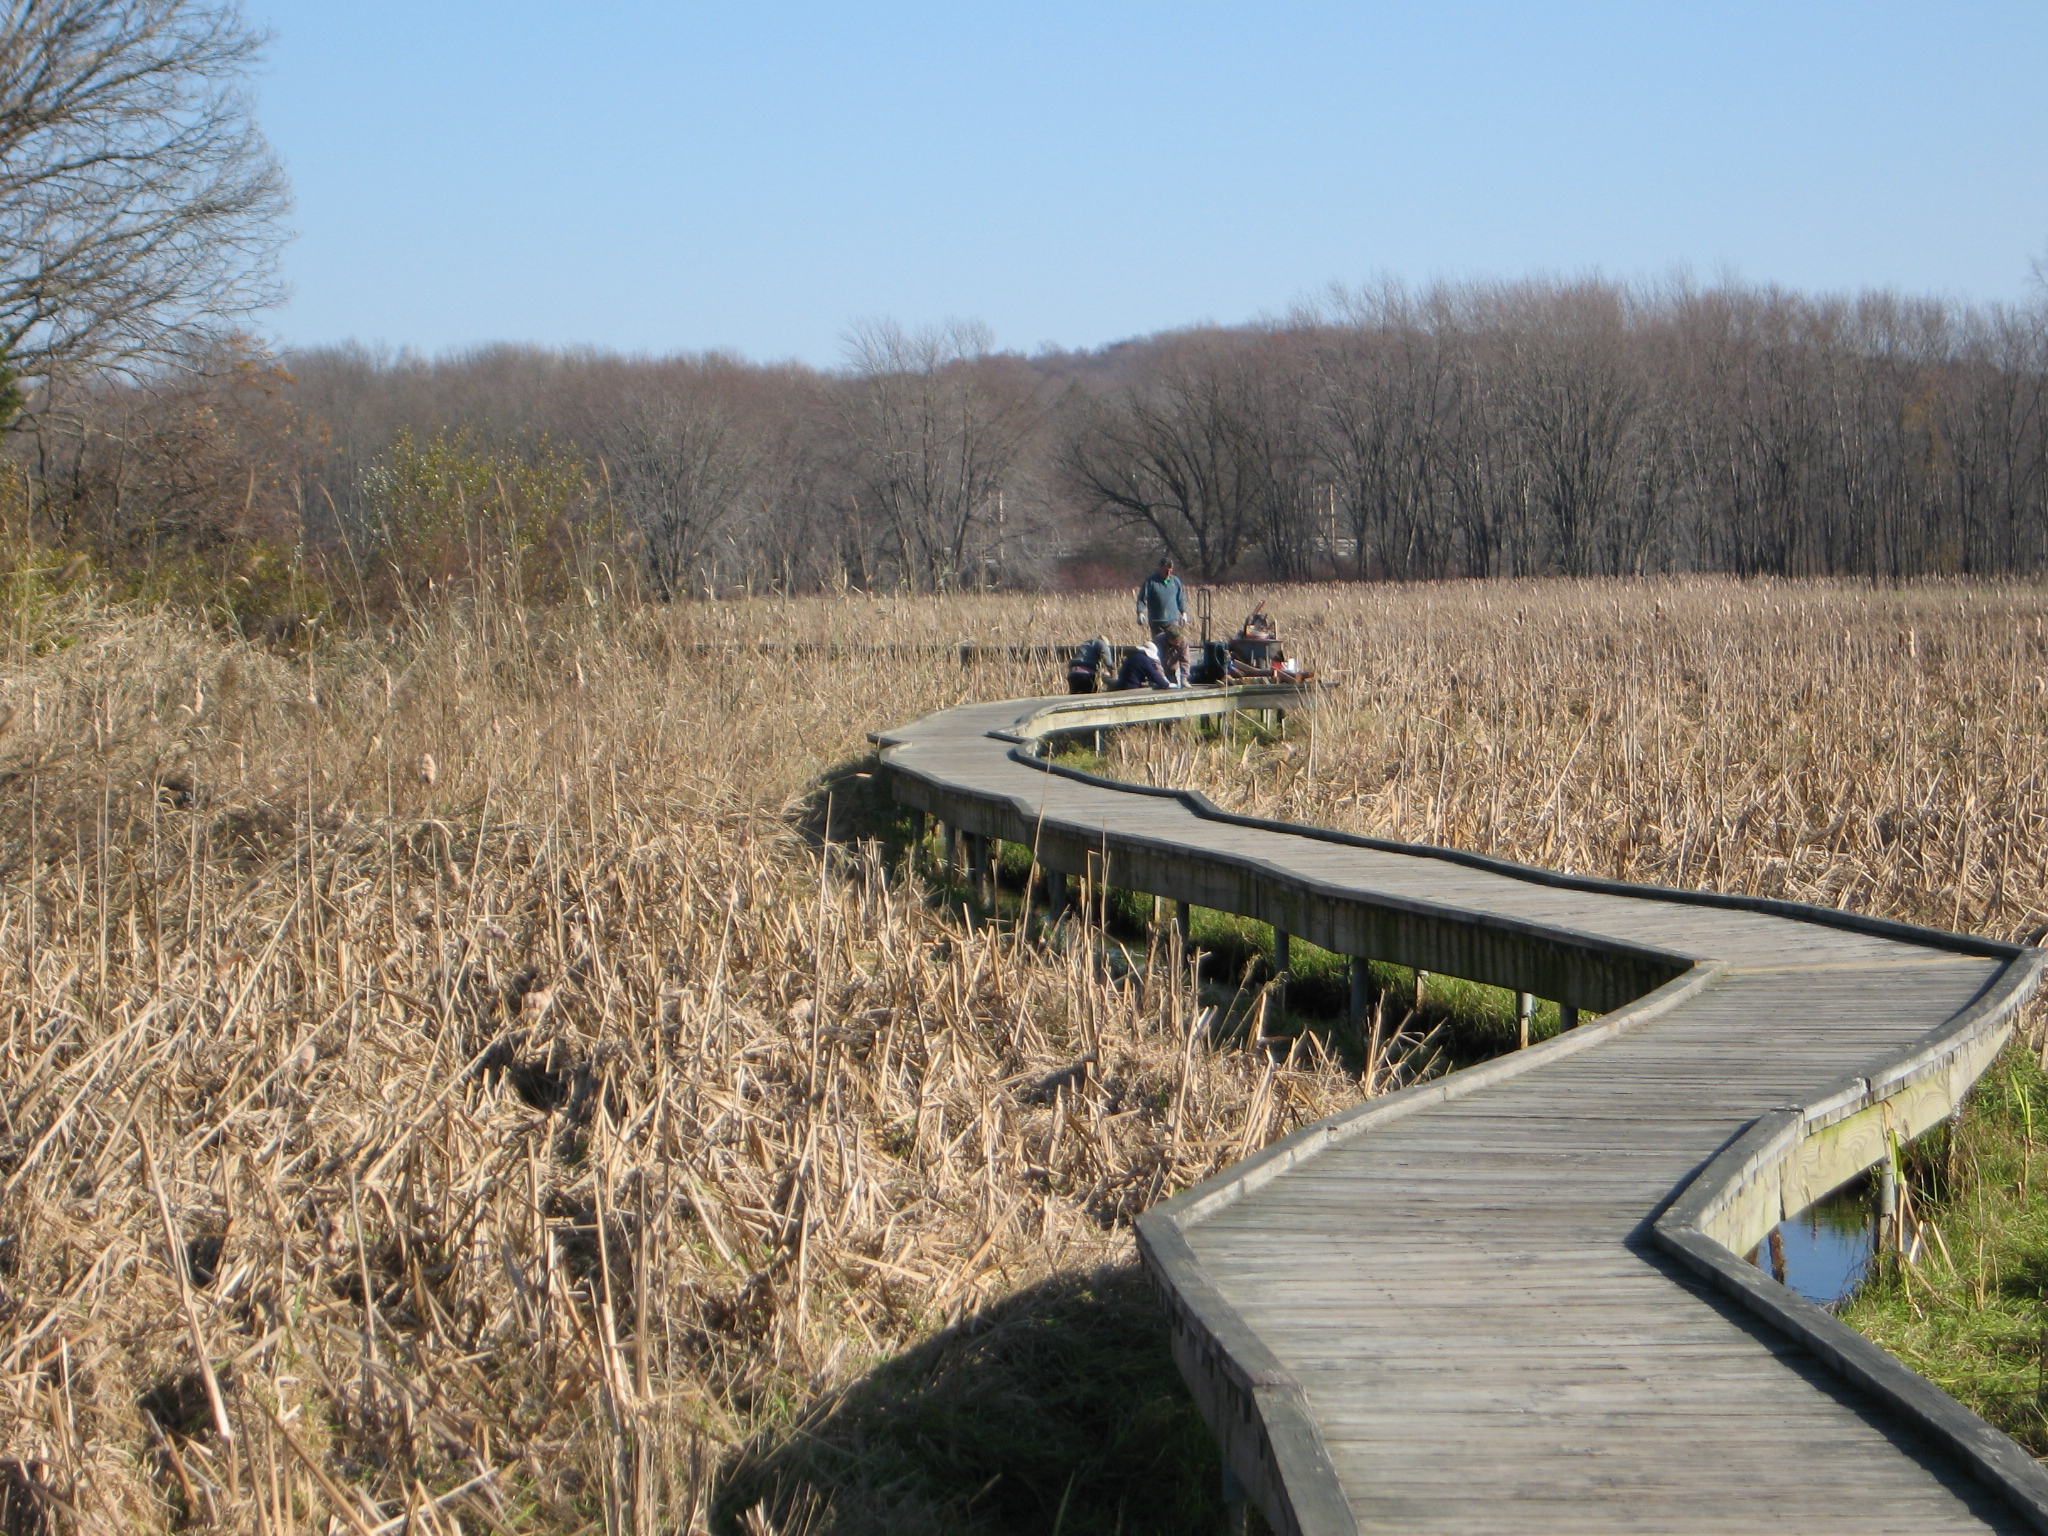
x,y
1174,659
1162,605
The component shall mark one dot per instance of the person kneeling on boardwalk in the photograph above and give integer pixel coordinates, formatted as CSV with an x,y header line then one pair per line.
x,y
1141,669
1084,672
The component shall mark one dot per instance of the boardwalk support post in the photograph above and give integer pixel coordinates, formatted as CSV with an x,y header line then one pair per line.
x,y
1236,1504
917,820
977,863
1055,895
1567,1016
1361,989
1283,966
1525,1008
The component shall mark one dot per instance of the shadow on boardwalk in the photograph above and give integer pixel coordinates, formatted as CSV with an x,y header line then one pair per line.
x,y
1055,1409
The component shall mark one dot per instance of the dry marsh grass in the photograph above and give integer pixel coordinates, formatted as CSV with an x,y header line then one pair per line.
x,y
461,1042
448,1069
1871,748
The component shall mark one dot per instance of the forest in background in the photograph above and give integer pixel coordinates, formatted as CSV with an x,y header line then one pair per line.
x,y
1538,428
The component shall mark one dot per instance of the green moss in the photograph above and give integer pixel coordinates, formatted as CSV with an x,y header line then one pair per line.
x,y
1082,759
1972,1313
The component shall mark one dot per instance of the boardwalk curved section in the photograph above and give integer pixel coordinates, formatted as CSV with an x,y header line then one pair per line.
x,y
1512,1299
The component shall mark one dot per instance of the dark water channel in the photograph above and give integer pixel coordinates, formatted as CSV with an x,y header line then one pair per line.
x,y
1826,1247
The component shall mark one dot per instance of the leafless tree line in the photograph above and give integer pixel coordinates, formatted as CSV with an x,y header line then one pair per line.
x,y
1586,429
918,465
1581,428
1455,431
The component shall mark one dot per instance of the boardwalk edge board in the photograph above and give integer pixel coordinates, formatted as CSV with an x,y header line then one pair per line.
x,y
1688,1229
1784,1160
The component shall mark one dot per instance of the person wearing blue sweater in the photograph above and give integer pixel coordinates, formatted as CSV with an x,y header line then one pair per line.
x,y
1162,603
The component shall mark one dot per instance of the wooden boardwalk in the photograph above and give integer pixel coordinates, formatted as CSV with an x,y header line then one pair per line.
x,y
1511,1300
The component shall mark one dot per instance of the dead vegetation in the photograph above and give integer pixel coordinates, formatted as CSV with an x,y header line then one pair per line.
x,y
1882,749
450,1076
445,1080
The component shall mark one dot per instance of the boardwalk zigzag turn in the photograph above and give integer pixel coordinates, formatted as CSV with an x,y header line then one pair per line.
x,y
1511,1299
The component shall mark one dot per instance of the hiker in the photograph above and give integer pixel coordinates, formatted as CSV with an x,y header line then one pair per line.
x,y
1141,669
1162,604
1084,672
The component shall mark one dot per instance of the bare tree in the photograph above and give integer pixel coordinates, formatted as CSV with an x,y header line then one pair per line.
x,y
1387,399
936,423
140,208
680,468
1576,403
1183,454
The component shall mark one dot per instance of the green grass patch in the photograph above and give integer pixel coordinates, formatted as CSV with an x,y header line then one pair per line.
x,y
1972,1314
1077,754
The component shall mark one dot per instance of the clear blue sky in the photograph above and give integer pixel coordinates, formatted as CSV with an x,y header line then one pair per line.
x,y
756,177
